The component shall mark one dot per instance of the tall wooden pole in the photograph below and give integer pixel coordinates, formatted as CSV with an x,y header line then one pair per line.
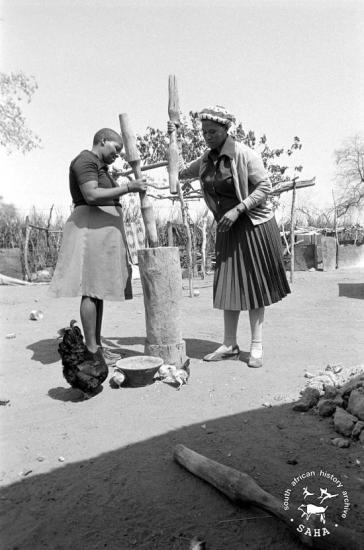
x,y
335,229
204,243
293,223
26,246
189,239
173,153
133,159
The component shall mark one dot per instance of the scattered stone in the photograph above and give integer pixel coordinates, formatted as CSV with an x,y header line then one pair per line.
x,y
10,335
203,426
60,459
361,437
36,315
196,292
4,401
25,473
44,275
340,442
309,375
292,461
334,368
266,404
354,383
322,380
331,392
40,458
281,397
326,407
358,428
356,403
344,422
309,399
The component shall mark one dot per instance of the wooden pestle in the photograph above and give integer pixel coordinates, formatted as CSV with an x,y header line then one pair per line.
x,y
133,158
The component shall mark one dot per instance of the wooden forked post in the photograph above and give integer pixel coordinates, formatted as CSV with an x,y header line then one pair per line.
x,y
173,153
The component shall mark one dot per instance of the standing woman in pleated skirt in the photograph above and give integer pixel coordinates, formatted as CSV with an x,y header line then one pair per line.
x,y
93,261
249,271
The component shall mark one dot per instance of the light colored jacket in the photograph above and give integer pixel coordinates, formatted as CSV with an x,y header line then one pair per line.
x,y
251,180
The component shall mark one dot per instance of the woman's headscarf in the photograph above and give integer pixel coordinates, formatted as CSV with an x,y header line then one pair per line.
x,y
218,114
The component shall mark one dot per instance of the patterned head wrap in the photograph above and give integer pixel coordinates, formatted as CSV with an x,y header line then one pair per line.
x,y
218,114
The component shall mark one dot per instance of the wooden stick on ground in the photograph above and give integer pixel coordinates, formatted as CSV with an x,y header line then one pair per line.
x,y
5,280
242,489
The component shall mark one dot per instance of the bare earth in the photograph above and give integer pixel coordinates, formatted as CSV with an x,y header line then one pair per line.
x,y
100,474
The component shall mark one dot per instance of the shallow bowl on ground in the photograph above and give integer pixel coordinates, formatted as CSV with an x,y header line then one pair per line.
x,y
139,370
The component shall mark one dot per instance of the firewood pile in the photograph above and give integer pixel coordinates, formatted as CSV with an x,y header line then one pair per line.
x,y
337,392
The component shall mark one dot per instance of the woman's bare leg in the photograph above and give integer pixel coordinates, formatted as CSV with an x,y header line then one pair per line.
x,y
99,314
88,312
256,317
231,320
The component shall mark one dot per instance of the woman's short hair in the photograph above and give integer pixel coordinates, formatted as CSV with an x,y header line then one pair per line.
x,y
108,134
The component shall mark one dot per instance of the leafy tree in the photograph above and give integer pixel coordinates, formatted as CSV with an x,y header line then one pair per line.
x,y
14,132
153,147
350,175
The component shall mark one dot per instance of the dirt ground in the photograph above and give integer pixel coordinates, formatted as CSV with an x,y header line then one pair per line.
x,y
100,473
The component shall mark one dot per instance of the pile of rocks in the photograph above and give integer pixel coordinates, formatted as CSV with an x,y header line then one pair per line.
x,y
337,392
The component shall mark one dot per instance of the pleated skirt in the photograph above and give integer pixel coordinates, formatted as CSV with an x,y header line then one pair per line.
x,y
249,271
93,259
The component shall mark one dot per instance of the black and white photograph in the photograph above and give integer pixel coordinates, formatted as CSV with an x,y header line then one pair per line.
x,y
181,275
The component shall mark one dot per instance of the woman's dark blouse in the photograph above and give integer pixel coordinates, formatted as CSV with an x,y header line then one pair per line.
x,y
218,182
88,167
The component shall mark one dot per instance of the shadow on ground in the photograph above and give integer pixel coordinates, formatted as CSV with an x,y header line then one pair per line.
x,y
45,351
138,497
195,348
351,290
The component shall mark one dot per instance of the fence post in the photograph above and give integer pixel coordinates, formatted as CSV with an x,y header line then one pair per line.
x,y
184,211
170,234
26,244
293,223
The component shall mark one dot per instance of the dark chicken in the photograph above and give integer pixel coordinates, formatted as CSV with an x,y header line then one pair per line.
x,y
82,369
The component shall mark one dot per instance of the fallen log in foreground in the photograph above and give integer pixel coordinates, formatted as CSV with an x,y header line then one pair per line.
x,y
242,489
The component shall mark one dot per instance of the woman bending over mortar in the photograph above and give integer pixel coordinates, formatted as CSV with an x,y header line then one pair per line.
x,y
93,261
